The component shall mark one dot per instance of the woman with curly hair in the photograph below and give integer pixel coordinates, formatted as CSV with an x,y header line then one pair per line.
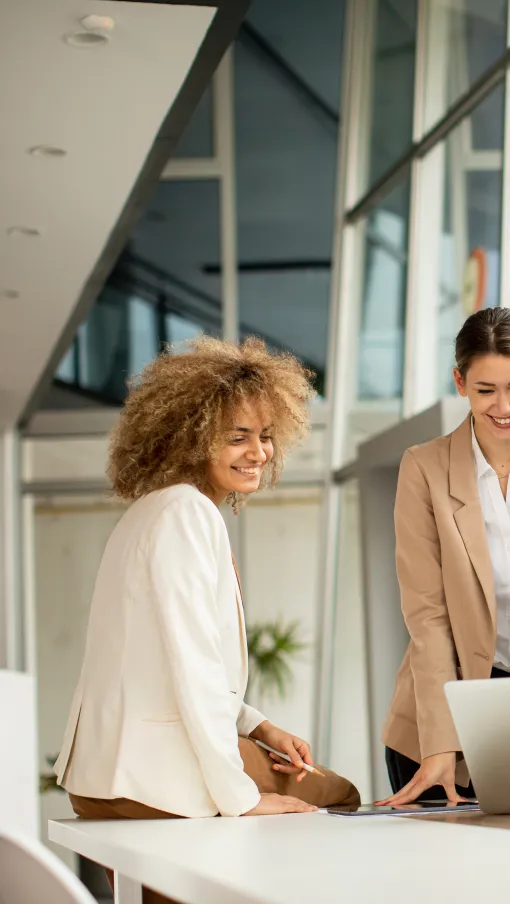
x,y
158,725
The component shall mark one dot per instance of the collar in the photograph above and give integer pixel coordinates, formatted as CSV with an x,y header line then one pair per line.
x,y
481,464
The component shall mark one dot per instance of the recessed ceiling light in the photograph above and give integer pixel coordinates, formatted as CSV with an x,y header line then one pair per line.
x,y
98,23
9,293
46,150
26,231
84,39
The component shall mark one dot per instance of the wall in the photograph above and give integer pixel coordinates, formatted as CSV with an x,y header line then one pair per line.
x,y
69,538
349,717
280,544
18,808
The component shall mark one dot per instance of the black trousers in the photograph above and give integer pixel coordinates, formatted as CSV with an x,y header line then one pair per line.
x,y
401,769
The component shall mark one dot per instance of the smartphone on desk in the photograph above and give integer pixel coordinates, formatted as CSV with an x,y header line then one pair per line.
x,y
414,809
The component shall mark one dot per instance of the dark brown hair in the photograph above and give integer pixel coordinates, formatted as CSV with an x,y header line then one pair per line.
x,y
181,408
485,333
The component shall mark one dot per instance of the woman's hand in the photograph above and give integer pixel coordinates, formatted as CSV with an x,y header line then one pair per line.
x,y
434,770
297,749
272,804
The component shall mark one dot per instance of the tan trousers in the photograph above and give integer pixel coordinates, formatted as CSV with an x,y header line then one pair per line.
x,y
322,792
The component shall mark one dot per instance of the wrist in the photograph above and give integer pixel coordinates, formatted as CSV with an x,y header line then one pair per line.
x,y
259,731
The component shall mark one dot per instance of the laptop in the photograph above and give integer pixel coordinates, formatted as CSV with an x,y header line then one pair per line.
x,y
481,713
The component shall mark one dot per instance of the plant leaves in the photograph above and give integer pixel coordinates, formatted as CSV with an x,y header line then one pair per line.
x,y
270,647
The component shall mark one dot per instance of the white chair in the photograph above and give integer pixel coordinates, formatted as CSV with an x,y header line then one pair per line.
x,y
31,874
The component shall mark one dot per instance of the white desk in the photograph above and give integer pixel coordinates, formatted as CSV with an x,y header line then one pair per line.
x,y
302,859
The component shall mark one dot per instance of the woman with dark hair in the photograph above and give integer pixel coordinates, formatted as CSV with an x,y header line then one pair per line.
x,y
452,521
158,726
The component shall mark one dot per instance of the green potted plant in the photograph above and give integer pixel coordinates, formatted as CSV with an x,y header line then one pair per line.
x,y
271,648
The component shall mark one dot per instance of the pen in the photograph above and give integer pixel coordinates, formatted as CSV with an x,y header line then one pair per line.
x,y
285,756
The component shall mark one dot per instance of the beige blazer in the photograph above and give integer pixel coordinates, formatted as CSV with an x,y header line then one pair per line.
x,y
160,701
447,594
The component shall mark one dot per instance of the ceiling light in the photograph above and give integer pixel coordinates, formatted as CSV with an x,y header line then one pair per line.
x,y
98,24
84,39
9,293
46,150
26,231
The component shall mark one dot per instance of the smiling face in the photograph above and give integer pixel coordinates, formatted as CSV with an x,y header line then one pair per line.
x,y
239,465
487,386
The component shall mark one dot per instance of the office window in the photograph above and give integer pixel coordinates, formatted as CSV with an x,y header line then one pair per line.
x,y
464,40
174,250
392,65
470,256
286,108
382,327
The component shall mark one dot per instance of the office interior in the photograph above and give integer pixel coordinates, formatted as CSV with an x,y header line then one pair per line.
x,y
326,174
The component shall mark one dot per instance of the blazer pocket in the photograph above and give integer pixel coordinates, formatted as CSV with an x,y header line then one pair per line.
x,y
163,718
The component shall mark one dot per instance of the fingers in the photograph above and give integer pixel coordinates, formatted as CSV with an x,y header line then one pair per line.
x,y
286,768
294,805
298,750
280,760
451,793
414,790
406,795
303,748
287,746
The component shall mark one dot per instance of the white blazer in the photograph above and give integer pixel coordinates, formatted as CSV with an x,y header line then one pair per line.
x,y
159,704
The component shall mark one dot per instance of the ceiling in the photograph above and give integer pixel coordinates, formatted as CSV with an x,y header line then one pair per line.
x,y
117,110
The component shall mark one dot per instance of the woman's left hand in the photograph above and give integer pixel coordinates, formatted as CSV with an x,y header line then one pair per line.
x,y
297,749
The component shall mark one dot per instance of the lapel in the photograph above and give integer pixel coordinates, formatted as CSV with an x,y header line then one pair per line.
x,y
469,516
240,614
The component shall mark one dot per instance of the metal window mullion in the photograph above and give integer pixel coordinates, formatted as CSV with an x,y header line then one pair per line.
x,y
434,136
11,627
224,143
28,588
425,218
343,319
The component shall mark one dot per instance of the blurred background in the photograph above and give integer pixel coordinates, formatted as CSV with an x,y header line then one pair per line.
x,y
328,175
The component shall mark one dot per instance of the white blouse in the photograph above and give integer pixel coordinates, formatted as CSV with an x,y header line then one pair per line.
x,y
496,513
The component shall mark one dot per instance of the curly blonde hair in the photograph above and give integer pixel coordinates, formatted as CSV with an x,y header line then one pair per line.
x,y
180,409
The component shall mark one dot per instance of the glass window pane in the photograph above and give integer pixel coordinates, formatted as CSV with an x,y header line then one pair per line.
x,y
174,252
465,39
65,370
308,43
392,84
165,287
381,340
181,330
286,162
197,139
143,337
103,342
471,237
